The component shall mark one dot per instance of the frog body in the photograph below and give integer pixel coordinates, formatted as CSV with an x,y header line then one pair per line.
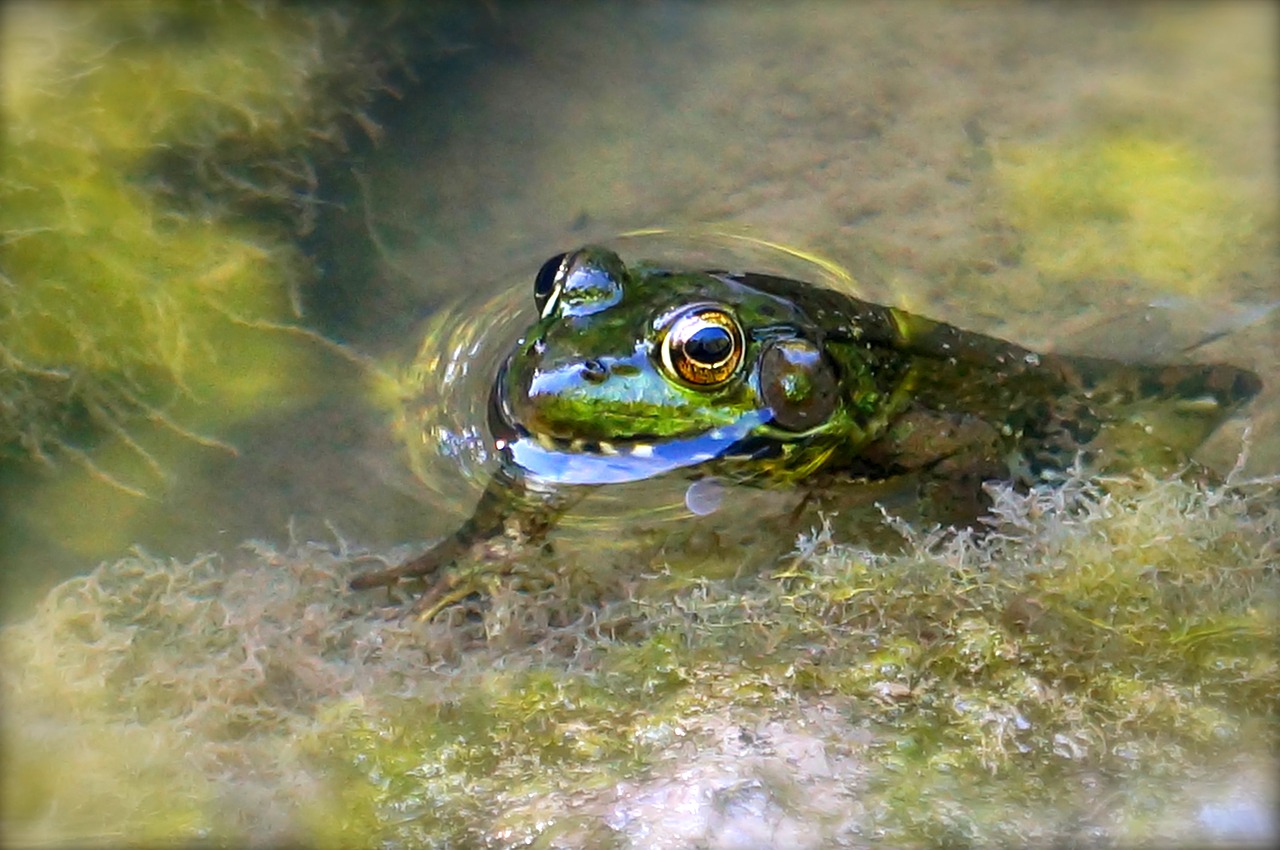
x,y
632,373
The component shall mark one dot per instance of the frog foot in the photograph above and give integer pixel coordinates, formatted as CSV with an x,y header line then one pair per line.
x,y
428,563
454,568
487,563
447,590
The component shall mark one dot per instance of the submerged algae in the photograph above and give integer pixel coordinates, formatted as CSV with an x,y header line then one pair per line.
x,y
1126,202
161,160
138,136
1069,675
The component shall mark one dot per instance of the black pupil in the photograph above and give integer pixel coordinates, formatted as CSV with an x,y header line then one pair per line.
x,y
709,345
545,283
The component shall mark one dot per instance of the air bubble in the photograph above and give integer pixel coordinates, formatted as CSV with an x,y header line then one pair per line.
x,y
704,496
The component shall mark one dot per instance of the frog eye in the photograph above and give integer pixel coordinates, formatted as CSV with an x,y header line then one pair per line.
x,y
703,346
546,286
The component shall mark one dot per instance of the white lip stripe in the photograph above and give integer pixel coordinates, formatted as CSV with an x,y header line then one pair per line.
x,y
578,445
544,458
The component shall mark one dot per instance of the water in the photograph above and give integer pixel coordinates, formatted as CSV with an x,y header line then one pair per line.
x,y
902,149
930,150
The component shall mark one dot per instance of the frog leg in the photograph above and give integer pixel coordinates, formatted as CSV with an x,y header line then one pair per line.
x,y
950,454
492,557
512,507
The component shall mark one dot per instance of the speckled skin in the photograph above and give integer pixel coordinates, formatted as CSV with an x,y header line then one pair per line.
x,y
827,387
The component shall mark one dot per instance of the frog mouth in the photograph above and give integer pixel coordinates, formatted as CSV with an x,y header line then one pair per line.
x,y
564,460
579,460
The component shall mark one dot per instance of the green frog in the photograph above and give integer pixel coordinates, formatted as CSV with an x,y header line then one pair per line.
x,y
635,372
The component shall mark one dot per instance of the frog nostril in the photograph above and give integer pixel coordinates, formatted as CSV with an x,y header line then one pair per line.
x,y
594,371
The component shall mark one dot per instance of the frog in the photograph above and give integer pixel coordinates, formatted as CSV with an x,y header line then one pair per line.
x,y
634,372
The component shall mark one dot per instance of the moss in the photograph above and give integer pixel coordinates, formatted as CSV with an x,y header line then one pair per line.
x,y
1020,665
1007,679
160,157
1094,669
1126,202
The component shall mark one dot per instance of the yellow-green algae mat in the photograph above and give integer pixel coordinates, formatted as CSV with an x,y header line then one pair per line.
x,y
159,160
129,298
1098,668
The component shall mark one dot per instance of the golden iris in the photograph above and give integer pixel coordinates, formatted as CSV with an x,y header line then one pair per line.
x,y
703,346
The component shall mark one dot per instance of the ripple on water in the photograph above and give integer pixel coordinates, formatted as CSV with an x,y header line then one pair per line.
x,y
442,416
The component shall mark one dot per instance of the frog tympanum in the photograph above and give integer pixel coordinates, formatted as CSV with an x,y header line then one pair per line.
x,y
635,372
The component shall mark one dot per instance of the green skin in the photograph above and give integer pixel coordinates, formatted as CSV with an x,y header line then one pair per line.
x,y
827,388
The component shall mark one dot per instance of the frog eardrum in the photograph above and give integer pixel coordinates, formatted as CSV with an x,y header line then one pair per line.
x,y
798,384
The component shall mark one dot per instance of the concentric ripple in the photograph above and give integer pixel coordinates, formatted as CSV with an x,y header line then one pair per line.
x,y
442,405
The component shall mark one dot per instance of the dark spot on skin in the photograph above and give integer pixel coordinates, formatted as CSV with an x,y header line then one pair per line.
x,y
1192,386
593,371
1153,386
1083,425
1245,385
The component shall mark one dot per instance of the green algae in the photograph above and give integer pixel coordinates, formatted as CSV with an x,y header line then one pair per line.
x,y
1125,202
1080,670
127,296
1094,637
161,160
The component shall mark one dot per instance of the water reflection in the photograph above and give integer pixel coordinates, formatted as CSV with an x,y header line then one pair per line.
x,y
923,142
443,394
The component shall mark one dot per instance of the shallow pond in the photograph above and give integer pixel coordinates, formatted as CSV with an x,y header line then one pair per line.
x,y
1087,178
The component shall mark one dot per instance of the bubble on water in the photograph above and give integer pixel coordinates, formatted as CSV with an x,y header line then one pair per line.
x,y
704,496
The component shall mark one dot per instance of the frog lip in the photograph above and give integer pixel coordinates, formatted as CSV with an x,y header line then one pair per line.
x,y
515,411
578,461
507,429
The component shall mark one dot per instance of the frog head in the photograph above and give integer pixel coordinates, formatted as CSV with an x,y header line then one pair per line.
x,y
631,372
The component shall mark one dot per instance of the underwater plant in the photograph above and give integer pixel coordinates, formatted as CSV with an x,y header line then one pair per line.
x,y
1100,665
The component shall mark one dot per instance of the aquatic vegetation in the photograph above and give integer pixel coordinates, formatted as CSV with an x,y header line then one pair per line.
x,y
138,136
160,160
1100,663
1125,203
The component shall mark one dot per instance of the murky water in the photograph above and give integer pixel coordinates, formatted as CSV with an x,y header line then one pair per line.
x,y
913,146
897,153
1097,178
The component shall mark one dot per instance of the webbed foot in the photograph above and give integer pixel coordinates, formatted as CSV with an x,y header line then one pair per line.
x,y
509,516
